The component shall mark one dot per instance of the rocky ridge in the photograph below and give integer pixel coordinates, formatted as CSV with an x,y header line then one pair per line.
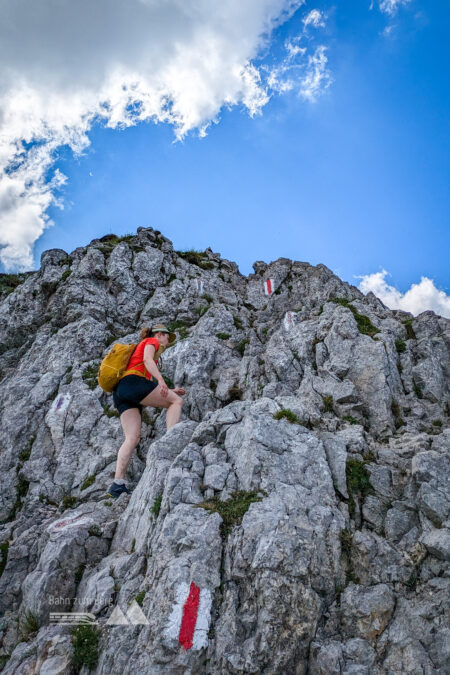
x,y
304,494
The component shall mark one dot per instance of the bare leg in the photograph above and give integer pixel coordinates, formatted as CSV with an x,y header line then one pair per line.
x,y
131,425
172,402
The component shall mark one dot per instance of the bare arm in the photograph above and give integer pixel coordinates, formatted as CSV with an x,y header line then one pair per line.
x,y
152,368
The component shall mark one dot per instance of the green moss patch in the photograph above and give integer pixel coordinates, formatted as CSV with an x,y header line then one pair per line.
x,y
223,336
365,326
89,375
233,509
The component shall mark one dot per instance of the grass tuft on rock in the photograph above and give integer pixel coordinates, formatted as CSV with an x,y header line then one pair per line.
x,y
396,412
350,419
9,282
26,452
4,547
85,639
28,625
328,403
110,412
179,327
346,539
241,346
400,346
418,391
87,483
238,323
223,336
155,509
140,598
68,502
196,258
358,478
288,415
233,509
365,326
409,329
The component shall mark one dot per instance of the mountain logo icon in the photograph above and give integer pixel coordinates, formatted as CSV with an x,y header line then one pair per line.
x,y
134,616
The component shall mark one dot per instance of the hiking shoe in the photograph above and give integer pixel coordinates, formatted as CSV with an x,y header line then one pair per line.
x,y
116,490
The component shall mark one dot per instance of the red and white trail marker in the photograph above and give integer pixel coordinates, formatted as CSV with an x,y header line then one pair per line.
x,y
288,320
199,286
190,617
60,403
269,286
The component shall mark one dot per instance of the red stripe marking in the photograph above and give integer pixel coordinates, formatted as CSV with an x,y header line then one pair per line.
x,y
269,287
190,610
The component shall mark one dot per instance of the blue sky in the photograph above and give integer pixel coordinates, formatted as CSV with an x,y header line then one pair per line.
x,y
356,179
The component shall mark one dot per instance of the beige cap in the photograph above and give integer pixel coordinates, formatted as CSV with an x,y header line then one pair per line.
x,y
161,328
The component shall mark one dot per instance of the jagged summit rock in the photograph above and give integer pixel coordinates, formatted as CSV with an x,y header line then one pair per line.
x,y
295,521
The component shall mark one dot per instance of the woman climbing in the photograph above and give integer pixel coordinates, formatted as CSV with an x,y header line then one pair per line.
x,y
143,385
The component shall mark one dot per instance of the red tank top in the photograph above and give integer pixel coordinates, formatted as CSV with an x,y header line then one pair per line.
x,y
137,358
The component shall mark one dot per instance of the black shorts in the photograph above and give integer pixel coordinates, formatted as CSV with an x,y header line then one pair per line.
x,y
130,390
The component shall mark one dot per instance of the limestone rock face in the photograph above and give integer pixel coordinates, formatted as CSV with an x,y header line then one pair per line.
x,y
296,520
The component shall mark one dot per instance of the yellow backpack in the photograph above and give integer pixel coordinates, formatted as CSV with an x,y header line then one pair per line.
x,y
114,365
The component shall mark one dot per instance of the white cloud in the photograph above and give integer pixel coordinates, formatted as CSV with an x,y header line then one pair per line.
x,y
305,73
388,31
314,18
67,65
318,77
391,6
419,298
